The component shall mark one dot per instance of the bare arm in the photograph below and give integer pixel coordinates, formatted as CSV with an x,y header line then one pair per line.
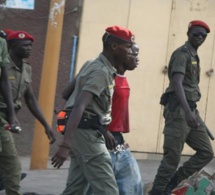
x,y
179,91
69,89
34,108
81,103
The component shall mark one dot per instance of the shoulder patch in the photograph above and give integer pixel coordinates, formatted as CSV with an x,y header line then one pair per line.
x,y
11,77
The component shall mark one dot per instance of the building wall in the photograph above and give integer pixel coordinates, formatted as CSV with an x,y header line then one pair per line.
x,y
160,27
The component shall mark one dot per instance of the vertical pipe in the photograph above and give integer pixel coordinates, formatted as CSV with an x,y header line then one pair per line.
x,y
74,51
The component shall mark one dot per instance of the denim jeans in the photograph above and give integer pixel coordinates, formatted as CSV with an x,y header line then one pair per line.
x,y
127,173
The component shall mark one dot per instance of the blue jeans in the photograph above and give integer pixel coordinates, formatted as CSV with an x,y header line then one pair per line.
x,y
127,173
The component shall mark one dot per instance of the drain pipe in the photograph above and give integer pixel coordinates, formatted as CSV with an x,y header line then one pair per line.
x,y
74,51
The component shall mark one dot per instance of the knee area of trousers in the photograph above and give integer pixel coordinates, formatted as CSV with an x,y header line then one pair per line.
x,y
209,155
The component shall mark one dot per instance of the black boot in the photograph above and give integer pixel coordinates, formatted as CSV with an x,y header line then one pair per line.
x,y
172,184
156,192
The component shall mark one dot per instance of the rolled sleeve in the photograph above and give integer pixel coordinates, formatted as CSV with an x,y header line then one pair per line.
x,y
179,63
4,56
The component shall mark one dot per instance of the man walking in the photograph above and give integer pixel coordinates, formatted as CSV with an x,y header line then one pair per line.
x,y
182,121
90,101
124,165
19,73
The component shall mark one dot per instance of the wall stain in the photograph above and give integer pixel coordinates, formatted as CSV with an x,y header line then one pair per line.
x,y
55,10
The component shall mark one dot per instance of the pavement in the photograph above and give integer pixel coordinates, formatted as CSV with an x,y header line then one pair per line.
x,y
52,181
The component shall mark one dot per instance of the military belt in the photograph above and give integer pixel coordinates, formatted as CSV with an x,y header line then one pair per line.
x,y
192,105
90,123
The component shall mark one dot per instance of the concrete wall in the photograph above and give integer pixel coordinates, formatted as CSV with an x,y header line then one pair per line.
x,y
160,27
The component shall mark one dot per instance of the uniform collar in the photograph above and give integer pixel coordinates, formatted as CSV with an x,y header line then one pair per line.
x,y
191,49
111,69
13,65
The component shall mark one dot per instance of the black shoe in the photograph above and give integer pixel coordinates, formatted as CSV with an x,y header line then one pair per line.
x,y
1,185
172,184
23,175
156,192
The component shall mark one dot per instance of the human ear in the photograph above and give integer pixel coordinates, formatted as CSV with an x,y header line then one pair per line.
x,y
114,46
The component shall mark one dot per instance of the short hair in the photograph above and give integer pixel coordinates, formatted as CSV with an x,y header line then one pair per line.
x,y
12,42
108,39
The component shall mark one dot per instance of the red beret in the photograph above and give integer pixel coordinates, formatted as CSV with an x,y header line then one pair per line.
x,y
8,31
21,35
121,33
199,23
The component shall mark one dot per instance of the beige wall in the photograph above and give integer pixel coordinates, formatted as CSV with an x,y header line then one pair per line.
x,y
160,27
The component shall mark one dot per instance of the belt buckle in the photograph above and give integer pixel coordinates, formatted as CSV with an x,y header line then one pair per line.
x,y
120,148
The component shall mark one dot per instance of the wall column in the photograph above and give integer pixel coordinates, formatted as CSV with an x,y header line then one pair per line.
x,y
40,146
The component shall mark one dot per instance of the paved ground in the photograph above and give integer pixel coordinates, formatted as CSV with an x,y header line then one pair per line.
x,y
52,181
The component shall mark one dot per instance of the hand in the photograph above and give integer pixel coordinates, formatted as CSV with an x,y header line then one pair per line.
x,y
13,128
14,121
60,156
50,134
14,125
192,120
109,140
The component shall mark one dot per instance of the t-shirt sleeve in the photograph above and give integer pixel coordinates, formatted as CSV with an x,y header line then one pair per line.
x,y
96,82
179,63
4,56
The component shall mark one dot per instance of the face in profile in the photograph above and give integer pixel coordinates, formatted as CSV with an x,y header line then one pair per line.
x,y
133,59
122,52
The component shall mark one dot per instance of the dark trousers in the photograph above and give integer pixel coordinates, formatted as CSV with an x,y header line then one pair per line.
x,y
176,134
10,166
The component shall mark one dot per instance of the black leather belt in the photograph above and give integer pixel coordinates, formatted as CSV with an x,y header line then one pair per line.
x,y
192,105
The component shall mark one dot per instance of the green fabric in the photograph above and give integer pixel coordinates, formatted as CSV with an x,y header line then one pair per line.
x,y
4,56
96,77
203,183
90,159
176,134
190,191
10,166
186,61
20,81
90,164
